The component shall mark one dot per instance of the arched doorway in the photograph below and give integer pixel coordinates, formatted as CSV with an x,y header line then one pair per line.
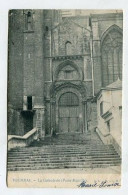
x,y
69,113
68,107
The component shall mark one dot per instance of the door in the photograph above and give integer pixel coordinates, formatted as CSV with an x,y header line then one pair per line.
x,y
68,113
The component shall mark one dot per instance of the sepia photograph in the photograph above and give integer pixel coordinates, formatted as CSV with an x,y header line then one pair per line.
x,y
64,98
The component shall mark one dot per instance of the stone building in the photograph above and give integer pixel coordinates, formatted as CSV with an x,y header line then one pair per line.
x,y
109,109
57,65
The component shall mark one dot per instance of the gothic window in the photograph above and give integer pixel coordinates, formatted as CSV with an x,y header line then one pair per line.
x,y
111,50
28,21
46,28
68,48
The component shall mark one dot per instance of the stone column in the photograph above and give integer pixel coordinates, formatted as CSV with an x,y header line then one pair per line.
x,y
96,57
39,106
40,123
85,69
84,117
53,116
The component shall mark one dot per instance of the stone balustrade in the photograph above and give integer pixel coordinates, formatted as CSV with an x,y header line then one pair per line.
x,y
22,141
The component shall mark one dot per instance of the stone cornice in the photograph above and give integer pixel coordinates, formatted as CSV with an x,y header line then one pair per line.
x,y
106,16
28,31
67,57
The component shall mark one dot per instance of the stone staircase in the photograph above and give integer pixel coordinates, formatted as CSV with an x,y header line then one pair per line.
x,y
64,151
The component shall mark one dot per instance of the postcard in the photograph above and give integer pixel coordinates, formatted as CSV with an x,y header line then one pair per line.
x,y
65,98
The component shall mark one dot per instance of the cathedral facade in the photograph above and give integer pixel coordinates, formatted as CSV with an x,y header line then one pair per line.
x,y
57,64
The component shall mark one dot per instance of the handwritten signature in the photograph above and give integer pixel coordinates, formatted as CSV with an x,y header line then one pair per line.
x,y
85,184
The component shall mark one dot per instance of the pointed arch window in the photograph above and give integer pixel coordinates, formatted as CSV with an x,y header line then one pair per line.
x,y
28,20
111,51
68,48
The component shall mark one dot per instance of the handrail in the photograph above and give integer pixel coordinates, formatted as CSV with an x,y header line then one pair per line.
x,y
26,136
22,141
110,140
105,135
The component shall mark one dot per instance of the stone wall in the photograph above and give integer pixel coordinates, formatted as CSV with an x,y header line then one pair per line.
x,y
15,122
15,58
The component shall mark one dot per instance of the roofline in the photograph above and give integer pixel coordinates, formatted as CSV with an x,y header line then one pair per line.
x,y
106,14
70,20
107,89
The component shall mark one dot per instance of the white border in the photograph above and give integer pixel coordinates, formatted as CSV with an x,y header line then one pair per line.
x,y
65,4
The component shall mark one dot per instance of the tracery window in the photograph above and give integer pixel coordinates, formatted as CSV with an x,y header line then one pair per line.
x,y
111,50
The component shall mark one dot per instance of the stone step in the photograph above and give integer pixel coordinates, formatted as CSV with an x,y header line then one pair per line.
x,y
67,146
62,153
56,147
59,150
62,150
78,137
86,156
64,164
59,143
62,156
30,162
48,154
99,153
61,167
68,138
69,135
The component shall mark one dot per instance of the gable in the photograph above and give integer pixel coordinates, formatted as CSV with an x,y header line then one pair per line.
x,y
69,22
69,32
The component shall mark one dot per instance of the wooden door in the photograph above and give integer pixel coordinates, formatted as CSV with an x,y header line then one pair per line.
x,y
69,113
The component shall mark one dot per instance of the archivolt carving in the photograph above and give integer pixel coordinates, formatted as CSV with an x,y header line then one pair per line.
x,y
72,66
67,86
